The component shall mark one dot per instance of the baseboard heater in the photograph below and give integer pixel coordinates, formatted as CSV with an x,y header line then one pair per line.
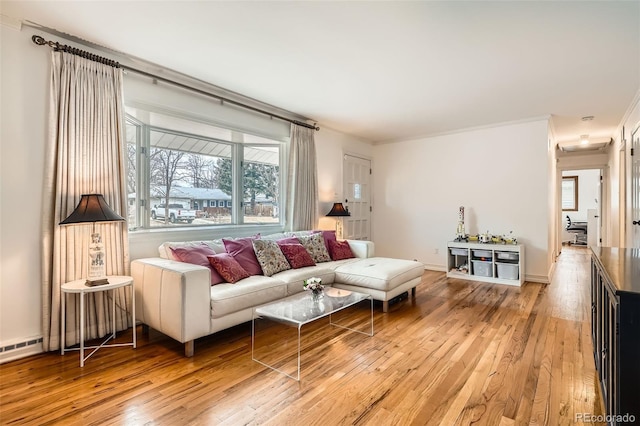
x,y
20,345
9,352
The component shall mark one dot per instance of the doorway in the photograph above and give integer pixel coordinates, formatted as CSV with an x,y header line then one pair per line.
x,y
581,195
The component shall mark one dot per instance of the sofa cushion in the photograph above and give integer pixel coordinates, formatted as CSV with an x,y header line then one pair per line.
x,y
314,244
297,255
294,278
197,254
378,273
335,264
270,257
339,250
227,267
247,293
242,250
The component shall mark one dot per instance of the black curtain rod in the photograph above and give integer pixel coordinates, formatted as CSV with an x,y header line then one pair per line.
x,y
40,41
74,51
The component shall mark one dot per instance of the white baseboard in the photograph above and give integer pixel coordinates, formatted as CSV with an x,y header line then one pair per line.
x,y
434,267
537,278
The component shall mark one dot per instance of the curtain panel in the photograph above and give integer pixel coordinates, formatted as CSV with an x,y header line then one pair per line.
x,y
85,155
302,179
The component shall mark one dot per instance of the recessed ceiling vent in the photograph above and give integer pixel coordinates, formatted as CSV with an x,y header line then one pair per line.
x,y
584,144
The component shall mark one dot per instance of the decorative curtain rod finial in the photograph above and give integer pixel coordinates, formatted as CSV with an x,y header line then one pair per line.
x,y
40,41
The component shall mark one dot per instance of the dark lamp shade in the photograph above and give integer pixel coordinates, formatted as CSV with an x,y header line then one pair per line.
x,y
338,210
92,208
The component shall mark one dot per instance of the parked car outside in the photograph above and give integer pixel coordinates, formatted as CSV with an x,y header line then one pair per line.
x,y
175,213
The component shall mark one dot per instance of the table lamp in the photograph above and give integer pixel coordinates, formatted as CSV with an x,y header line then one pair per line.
x,y
93,208
338,210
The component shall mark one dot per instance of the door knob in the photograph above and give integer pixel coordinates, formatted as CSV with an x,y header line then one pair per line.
x,y
636,222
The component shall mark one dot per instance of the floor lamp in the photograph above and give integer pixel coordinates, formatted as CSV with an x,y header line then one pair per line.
x,y
93,208
339,211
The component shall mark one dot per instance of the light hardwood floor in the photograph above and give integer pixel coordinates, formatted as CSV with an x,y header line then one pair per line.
x,y
461,353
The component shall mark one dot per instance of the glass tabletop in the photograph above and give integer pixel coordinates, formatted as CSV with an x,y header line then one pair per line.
x,y
301,308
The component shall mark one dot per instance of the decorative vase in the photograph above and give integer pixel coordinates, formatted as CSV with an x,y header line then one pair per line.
x,y
316,295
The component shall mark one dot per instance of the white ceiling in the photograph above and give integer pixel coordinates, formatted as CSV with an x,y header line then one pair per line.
x,y
385,71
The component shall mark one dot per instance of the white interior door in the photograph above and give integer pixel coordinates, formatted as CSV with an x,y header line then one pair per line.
x,y
635,190
356,175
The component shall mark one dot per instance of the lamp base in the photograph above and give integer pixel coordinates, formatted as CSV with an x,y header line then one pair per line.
x,y
95,282
339,228
97,269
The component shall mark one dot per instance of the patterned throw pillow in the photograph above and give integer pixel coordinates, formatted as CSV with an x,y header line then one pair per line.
x,y
340,250
315,246
242,250
270,257
228,267
197,254
328,236
297,255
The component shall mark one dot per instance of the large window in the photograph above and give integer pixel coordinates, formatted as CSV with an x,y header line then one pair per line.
x,y
183,172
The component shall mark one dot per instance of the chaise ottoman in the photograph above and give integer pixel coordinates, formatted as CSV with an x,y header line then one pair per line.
x,y
381,277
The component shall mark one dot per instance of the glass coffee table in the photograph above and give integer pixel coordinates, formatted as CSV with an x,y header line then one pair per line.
x,y
268,345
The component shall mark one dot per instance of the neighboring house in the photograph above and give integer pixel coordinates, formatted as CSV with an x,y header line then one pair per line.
x,y
204,199
192,198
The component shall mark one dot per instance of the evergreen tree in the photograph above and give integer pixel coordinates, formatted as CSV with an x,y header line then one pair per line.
x,y
258,179
222,177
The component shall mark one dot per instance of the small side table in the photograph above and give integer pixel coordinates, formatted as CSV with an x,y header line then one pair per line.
x,y
79,286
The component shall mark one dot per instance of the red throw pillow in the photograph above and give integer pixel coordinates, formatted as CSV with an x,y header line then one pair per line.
x,y
340,250
198,256
242,251
297,255
228,267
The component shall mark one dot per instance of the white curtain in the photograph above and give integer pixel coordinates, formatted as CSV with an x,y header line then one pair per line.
x,y
85,155
302,180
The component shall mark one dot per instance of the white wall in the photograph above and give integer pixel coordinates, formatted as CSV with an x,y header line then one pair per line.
x,y
499,174
24,78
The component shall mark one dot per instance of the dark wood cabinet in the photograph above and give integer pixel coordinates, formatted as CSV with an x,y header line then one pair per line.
x,y
615,330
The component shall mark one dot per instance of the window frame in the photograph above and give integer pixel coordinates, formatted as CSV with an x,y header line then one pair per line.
x,y
142,201
572,181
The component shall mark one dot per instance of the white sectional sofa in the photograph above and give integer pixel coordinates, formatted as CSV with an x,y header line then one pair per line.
x,y
178,300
